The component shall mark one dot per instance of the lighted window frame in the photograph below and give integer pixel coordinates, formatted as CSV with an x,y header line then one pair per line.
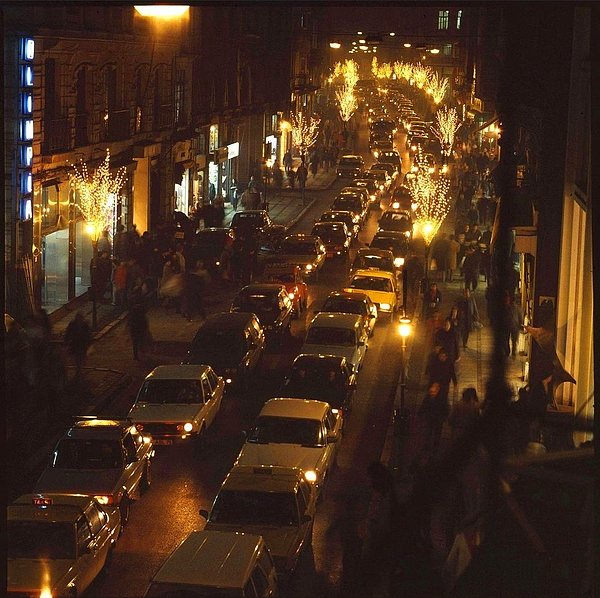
x,y
27,49
26,103
26,75
26,129
458,19
25,155
443,19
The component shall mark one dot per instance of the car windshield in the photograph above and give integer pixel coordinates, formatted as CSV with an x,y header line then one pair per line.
x,y
344,306
298,248
371,283
88,453
373,261
350,162
257,302
286,430
396,246
40,540
325,335
352,205
345,218
317,383
164,392
398,222
253,507
330,235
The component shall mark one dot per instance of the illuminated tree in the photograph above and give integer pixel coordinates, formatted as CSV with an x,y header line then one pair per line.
x,y
447,125
437,87
304,131
97,194
347,103
375,66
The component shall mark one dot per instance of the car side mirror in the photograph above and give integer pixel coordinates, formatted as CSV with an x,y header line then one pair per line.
x,y
244,435
203,513
331,439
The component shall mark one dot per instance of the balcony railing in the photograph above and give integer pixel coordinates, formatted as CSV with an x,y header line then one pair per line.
x,y
57,135
118,125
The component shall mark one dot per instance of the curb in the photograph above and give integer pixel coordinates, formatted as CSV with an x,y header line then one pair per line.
x,y
304,210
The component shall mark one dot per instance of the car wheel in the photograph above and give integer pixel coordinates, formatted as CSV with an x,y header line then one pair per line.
x,y
146,479
124,507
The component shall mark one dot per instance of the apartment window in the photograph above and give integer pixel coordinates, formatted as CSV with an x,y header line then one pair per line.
x,y
27,48
447,49
443,19
458,19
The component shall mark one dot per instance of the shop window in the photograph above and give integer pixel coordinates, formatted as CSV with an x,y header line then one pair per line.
x,y
443,19
26,76
26,133
447,49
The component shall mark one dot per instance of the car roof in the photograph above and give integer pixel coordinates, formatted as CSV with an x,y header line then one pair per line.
x,y
294,408
399,211
211,558
376,251
64,508
336,320
261,287
300,237
87,427
374,273
351,156
328,224
265,478
335,212
227,320
250,213
349,296
178,372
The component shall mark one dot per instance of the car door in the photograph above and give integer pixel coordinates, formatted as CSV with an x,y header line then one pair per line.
x,y
87,565
217,387
208,411
101,534
134,466
333,427
361,344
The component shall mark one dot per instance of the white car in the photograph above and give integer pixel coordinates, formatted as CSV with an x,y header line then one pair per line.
x,y
337,334
295,433
57,544
177,402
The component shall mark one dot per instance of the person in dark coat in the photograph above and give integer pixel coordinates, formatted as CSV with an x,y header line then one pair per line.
x,y
78,338
291,178
447,338
137,321
467,315
514,322
465,413
440,369
441,253
301,175
431,300
471,268
434,411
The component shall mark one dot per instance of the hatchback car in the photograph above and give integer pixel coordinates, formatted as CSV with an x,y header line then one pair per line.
x,y
177,403
305,251
326,378
232,344
272,306
344,216
372,258
380,286
277,503
389,168
257,224
57,544
378,177
353,303
337,334
335,236
295,433
402,199
395,242
383,175
106,459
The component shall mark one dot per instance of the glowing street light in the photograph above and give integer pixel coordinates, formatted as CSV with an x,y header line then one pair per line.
x,y
335,45
165,11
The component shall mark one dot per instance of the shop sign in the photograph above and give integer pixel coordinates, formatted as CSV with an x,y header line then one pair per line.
x,y
182,151
233,150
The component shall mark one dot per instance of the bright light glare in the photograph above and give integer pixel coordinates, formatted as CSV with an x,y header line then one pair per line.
x,y
407,45
310,475
188,427
434,51
335,45
165,11
46,593
392,34
404,327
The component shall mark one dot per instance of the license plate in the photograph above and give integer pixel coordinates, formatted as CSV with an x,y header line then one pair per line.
x,y
162,441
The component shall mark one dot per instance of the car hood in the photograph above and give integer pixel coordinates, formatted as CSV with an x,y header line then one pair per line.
x,y
375,296
299,260
350,353
286,455
78,481
152,412
32,575
280,540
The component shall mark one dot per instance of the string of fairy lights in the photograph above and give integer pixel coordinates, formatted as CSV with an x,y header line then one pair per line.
x,y
304,131
345,96
97,194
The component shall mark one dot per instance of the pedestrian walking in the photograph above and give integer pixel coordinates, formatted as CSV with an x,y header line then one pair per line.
x,y
301,175
119,283
514,323
104,243
440,369
440,253
467,314
291,178
121,243
314,165
433,412
196,286
465,413
447,338
431,300
137,320
233,194
471,267
288,162
78,338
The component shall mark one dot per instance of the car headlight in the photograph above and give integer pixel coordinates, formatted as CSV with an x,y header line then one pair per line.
x,y
147,439
46,593
431,170
396,205
187,427
308,267
376,154
373,197
105,499
398,262
228,380
385,306
407,233
335,411
356,219
413,147
310,475
291,295
381,187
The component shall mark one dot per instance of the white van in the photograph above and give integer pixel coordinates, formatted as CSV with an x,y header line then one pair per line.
x,y
217,564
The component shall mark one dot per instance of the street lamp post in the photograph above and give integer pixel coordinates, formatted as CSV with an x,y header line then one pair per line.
x,y
401,415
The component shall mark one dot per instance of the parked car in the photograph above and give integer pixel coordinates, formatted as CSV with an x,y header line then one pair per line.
x,y
402,199
391,157
335,237
277,503
372,188
106,459
208,245
350,166
221,564
396,220
306,251
380,286
258,224
351,202
232,344
344,216
57,544
353,303
289,275
372,258
295,433
272,306
328,378
337,334
177,403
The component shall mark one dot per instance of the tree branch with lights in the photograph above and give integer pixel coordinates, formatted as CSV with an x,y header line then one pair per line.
x,y
304,131
447,124
347,103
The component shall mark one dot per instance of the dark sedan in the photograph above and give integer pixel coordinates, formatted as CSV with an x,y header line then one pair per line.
x,y
397,243
335,237
209,245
